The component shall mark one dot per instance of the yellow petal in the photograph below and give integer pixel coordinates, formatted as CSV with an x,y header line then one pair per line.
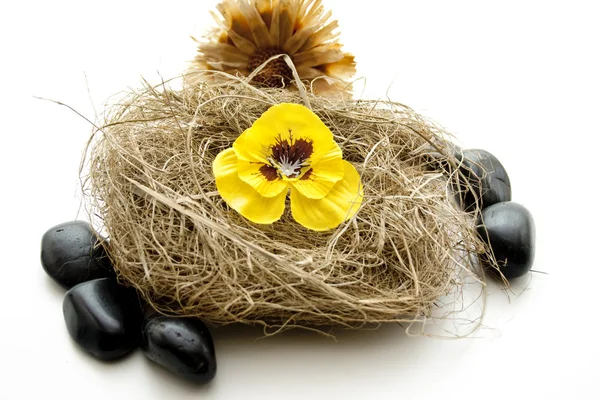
x,y
286,122
330,165
340,204
261,177
242,197
317,182
247,148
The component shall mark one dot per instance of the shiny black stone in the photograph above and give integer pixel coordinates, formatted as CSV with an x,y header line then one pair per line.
x,y
103,318
510,230
71,254
184,346
487,177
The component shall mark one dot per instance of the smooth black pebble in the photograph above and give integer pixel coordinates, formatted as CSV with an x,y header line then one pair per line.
x,y
71,254
103,317
184,346
511,232
487,177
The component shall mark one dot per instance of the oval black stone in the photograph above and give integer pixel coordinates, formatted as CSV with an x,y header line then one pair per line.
x,y
487,177
184,346
71,254
103,317
510,230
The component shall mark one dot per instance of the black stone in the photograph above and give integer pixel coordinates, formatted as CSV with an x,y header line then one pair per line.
x,y
184,346
487,177
510,230
436,161
103,318
71,254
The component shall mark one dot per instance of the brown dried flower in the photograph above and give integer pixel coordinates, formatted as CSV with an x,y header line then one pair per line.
x,y
252,31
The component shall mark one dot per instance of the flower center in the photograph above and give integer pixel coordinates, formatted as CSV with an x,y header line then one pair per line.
x,y
274,74
288,157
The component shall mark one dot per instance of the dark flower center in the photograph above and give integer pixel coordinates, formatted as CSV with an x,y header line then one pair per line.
x,y
274,74
288,157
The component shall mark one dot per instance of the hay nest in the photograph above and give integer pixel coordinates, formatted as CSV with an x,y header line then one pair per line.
x,y
174,239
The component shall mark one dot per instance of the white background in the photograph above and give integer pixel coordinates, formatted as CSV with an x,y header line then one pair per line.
x,y
518,78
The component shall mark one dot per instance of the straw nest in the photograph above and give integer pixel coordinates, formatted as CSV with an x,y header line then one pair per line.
x,y
174,239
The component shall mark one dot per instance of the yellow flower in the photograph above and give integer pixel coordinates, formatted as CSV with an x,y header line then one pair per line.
x,y
289,149
251,32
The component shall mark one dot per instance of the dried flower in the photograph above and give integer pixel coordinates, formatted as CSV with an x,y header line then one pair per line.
x,y
251,32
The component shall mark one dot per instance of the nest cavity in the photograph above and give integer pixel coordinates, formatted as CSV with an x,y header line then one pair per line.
x,y
174,239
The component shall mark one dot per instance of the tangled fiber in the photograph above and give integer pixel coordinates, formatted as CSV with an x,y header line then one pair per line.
x,y
174,239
